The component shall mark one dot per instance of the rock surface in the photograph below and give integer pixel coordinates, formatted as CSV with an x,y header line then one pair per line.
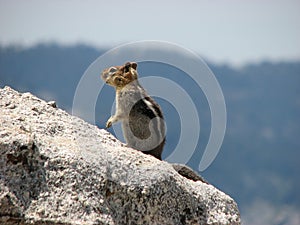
x,y
58,169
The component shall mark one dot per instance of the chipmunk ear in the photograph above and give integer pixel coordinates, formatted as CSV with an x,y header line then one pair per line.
x,y
130,65
134,65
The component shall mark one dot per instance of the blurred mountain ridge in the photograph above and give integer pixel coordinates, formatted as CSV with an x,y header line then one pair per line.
x,y
259,158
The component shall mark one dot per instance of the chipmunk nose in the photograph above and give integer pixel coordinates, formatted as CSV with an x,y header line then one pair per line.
x,y
104,76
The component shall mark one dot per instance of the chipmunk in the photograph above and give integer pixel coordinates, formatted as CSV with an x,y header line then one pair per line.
x,y
142,119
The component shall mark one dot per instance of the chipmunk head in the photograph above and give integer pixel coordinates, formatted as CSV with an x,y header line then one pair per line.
x,y
119,76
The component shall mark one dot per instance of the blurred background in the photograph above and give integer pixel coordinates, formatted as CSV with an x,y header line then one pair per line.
x,y
252,47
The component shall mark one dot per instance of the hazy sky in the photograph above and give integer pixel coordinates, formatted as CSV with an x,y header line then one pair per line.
x,y
232,31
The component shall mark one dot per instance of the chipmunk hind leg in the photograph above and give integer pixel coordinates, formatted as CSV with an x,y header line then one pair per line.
x,y
156,152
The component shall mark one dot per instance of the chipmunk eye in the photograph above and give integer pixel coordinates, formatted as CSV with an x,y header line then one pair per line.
x,y
112,70
118,79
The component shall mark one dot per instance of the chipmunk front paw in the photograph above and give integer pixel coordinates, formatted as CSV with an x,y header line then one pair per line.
x,y
108,124
110,121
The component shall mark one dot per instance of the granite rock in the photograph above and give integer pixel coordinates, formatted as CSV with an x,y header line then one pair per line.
x,y
57,169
